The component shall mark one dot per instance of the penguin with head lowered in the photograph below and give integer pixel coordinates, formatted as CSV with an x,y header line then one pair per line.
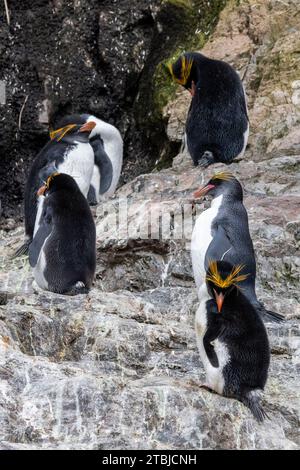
x,y
107,145
222,233
63,250
232,339
217,126
69,152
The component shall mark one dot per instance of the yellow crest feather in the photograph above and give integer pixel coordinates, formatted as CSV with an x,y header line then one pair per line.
x,y
50,178
186,65
223,175
62,130
232,279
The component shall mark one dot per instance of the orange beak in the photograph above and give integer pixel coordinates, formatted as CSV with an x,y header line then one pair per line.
x,y
87,127
193,89
202,191
219,300
42,190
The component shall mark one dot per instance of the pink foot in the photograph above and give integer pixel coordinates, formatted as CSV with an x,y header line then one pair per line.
x,y
207,387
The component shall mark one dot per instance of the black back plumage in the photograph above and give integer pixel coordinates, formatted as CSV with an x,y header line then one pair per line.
x,y
232,241
51,154
103,162
70,249
231,236
241,329
217,118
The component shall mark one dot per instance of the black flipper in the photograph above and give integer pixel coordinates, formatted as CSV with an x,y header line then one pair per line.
x,y
206,159
22,250
104,164
219,248
40,236
214,329
209,349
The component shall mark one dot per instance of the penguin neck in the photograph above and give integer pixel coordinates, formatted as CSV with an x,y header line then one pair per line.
x,y
224,198
199,61
217,201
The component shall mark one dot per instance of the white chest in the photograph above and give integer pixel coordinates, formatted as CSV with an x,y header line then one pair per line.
x,y
214,375
79,163
39,270
201,238
40,205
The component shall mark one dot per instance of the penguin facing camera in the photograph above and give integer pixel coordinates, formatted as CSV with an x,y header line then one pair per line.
x,y
217,126
222,232
63,250
232,339
107,145
69,152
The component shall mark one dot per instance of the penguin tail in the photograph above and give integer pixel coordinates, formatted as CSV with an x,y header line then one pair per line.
x,y
22,250
269,315
252,400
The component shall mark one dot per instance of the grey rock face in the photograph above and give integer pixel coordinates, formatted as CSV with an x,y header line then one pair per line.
x,y
119,368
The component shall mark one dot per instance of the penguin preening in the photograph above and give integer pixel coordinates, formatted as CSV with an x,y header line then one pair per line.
x,y
217,126
232,339
63,251
107,144
68,151
222,233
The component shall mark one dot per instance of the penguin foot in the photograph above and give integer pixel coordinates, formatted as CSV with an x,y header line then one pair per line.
x,y
206,160
79,288
36,288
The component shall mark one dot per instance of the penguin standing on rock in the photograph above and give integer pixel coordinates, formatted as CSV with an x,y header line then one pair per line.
x,y
63,251
217,126
222,232
232,338
107,144
70,152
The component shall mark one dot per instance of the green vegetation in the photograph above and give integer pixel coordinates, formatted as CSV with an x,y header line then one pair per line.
x,y
198,18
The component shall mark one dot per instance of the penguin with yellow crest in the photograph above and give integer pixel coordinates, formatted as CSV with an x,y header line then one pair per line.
x,y
222,233
217,126
63,250
231,337
69,151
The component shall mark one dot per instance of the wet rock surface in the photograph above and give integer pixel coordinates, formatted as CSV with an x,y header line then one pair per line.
x,y
119,368
60,57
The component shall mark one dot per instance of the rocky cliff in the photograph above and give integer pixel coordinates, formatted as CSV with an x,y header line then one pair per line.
x,y
119,368
101,57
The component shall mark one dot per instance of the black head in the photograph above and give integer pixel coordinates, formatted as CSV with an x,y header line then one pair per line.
x,y
58,181
183,71
221,183
222,280
78,119
72,127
